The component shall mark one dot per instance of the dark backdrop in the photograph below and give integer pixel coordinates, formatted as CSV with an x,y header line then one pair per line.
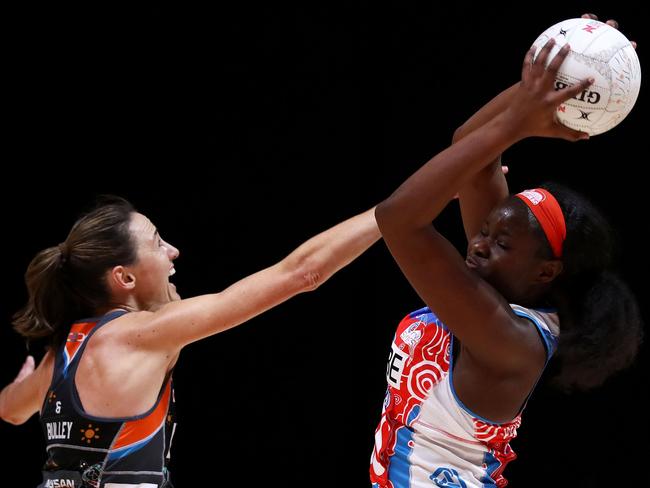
x,y
242,131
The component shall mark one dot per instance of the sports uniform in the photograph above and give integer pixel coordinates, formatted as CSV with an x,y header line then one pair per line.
x,y
88,451
426,437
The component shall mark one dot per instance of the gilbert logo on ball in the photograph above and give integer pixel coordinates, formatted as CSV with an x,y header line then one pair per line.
x,y
597,50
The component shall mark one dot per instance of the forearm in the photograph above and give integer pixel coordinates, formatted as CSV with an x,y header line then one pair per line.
x,y
22,398
483,191
422,197
324,254
486,113
488,186
311,264
14,406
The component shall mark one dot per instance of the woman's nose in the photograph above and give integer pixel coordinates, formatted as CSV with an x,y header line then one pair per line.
x,y
481,248
172,251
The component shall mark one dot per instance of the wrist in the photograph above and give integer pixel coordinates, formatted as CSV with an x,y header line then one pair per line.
x,y
511,126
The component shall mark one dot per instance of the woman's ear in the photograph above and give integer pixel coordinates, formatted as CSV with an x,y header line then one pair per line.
x,y
549,270
121,279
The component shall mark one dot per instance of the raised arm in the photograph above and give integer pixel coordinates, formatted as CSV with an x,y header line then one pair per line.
x,y
486,188
311,264
431,264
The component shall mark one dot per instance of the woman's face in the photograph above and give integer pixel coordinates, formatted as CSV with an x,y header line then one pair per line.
x,y
154,265
506,252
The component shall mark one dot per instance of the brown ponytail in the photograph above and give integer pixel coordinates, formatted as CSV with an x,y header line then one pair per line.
x,y
67,282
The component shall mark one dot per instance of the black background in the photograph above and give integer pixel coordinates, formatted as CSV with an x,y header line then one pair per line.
x,y
243,130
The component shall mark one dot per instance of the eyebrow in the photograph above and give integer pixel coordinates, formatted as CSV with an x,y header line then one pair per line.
x,y
503,229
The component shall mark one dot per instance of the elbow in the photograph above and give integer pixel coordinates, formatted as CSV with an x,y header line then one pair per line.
x,y
13,420
382,214
11,417
308,276
311,280
387,216
7,414
458,134
303,274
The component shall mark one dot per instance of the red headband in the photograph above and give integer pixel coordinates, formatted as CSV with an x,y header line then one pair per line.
x,y
549,215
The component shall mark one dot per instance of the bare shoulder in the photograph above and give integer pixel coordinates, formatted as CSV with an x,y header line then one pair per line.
x,y
165,330
124,330
495,386
523,354
124,346
532,351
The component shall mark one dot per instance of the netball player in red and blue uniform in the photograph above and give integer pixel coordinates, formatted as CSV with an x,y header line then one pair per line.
x,y
535,279
104,389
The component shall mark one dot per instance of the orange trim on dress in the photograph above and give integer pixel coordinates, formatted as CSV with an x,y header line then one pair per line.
x,y
135,431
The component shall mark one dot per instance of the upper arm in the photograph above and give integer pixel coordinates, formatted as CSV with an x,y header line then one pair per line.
x,y
480,195
474,311
185,321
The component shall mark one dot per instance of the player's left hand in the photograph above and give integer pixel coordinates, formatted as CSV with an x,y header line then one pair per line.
x,y
534,104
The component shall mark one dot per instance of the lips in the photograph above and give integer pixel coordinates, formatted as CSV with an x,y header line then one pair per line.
x,y
471,262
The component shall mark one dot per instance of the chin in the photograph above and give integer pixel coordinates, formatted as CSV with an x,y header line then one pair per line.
x,y
172,293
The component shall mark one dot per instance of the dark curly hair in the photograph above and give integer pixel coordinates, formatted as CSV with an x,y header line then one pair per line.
x,y
600,321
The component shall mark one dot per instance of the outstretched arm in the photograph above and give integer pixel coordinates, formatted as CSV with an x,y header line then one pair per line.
x,y
307,267
438,273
